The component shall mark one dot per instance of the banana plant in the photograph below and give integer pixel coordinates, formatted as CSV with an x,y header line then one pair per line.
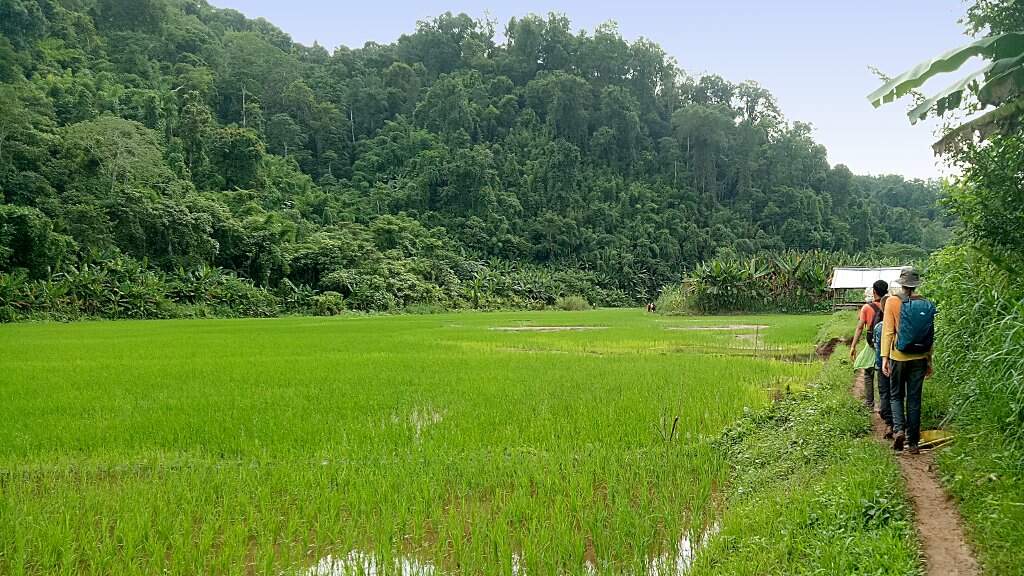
x,y
998,85
14,292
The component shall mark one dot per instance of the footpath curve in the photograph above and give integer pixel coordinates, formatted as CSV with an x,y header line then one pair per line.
x,y
939,526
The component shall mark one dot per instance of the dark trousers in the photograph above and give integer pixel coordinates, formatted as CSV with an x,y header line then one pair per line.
x,y
884,401
869,387
906,380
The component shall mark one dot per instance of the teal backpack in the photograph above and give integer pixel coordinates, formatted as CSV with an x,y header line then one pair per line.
x,y
917,326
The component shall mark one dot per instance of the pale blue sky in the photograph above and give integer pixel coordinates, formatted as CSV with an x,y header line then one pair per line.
x,y
812,54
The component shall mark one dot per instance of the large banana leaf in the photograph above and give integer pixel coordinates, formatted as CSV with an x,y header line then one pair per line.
x,y
1002,87
1007,45
947,99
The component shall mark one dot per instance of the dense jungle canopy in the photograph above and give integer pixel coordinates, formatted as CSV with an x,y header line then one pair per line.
x,y
455,166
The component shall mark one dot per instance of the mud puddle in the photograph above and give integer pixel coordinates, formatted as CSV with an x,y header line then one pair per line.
x,y
359,563
686,552
677,562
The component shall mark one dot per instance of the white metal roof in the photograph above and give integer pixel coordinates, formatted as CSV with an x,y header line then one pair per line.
x,y
863,277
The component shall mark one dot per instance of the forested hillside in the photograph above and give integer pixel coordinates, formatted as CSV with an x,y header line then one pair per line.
x,y
175,153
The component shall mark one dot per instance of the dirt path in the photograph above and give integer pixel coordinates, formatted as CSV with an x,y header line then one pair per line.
x,y
939,526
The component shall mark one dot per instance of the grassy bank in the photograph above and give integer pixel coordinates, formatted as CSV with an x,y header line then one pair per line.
x,y
810,491
985,478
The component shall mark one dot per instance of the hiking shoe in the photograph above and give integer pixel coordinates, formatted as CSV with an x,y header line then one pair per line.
x,y
897,440
888,433
913,449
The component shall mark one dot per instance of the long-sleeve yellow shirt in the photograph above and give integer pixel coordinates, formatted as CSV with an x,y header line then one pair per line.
x,y
890,326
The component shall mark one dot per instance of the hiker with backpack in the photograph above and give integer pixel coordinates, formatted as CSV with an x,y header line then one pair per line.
x,y
870,316
908,332
884,386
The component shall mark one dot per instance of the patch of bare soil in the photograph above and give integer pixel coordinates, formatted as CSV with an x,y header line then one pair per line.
x,y
939,526
720,327
546,328
825,349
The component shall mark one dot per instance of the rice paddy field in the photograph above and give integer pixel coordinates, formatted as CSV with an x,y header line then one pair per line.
x,y
475,443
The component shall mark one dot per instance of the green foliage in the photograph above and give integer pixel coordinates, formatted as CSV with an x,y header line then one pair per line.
x,y
442,170
980,336
673,299
786,281
978,389
27,241
125,288
989,201
572,303
999,84
328,304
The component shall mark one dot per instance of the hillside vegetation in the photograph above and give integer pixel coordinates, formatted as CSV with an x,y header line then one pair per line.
x,y
147,142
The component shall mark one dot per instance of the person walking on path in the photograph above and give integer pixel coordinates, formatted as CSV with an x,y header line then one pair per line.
x,y
869,317
884,387
908,331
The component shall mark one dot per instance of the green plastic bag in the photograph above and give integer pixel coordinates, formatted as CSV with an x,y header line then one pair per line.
x,y
865,358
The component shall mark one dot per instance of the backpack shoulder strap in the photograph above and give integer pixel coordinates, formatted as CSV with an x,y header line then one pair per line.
x,y
878,314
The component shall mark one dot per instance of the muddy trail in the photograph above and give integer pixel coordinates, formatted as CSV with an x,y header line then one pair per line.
x,y
939,526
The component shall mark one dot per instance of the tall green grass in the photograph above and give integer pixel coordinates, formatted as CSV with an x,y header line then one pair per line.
x,y
978,390
811,491
264,446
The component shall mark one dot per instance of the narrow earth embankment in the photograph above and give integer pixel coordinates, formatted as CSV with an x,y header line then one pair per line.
x,y
938,521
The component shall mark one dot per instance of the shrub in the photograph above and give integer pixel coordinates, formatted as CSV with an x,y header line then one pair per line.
x,y
673,300
240,297
784,282
572,303
425,309
328,304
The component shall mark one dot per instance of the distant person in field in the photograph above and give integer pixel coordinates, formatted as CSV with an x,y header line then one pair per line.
x,y
869,317
908,331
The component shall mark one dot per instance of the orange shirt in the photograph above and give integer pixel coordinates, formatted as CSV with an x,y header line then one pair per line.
x,y
867,313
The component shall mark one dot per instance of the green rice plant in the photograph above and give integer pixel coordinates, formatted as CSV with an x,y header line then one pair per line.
x,y
467,441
